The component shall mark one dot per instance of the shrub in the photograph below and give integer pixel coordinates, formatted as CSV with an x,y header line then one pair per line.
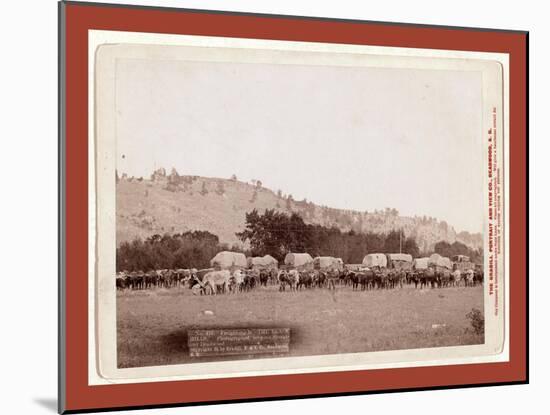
x,y
476,320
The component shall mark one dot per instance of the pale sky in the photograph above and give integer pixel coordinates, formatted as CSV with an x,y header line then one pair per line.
x,y
345,137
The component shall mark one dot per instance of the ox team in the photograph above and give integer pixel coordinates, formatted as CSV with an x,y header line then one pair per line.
x,y
232,272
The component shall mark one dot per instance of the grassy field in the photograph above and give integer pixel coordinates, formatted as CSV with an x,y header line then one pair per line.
x,y
152,325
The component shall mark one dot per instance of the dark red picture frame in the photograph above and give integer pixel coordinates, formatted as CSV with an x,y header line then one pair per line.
x,y
76,19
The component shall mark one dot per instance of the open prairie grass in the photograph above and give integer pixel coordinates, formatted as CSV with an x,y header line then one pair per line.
x,y
152,325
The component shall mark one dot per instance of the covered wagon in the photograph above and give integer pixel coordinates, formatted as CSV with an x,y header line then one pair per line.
x,y
462,262
400,261
461,258
375,260
328,263
228,260
301,261
255,261
354,267
420,264
270,262
266,262
440,262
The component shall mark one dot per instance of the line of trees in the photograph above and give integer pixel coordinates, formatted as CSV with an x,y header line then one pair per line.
x,y
458,248
277,233
182,250
274,233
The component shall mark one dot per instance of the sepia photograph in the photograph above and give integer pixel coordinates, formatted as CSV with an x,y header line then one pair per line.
x,y
275,204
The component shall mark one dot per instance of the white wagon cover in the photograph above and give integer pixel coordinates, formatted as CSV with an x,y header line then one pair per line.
x,y
228,259
440,261
328,262
421,263
269,261
375,260
266,261
400,257
298,260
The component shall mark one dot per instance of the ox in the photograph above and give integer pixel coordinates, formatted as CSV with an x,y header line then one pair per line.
x,y
289,278
456,276
218,281
237,281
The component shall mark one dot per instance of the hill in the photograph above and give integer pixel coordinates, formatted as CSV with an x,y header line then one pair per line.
x,y
173,203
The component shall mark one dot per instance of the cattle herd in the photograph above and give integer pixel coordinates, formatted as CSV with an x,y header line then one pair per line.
x,y
213,281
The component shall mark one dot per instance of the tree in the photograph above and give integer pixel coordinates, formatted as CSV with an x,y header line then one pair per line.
x,y
275,233
298,233
185,250
446,249
204,190
393,242
289,201
411,247
375,242
220,188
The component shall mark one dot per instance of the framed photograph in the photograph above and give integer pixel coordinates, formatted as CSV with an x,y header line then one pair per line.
x,y
260,207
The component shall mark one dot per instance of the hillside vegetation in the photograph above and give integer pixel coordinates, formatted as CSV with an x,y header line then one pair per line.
x,y
170,203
